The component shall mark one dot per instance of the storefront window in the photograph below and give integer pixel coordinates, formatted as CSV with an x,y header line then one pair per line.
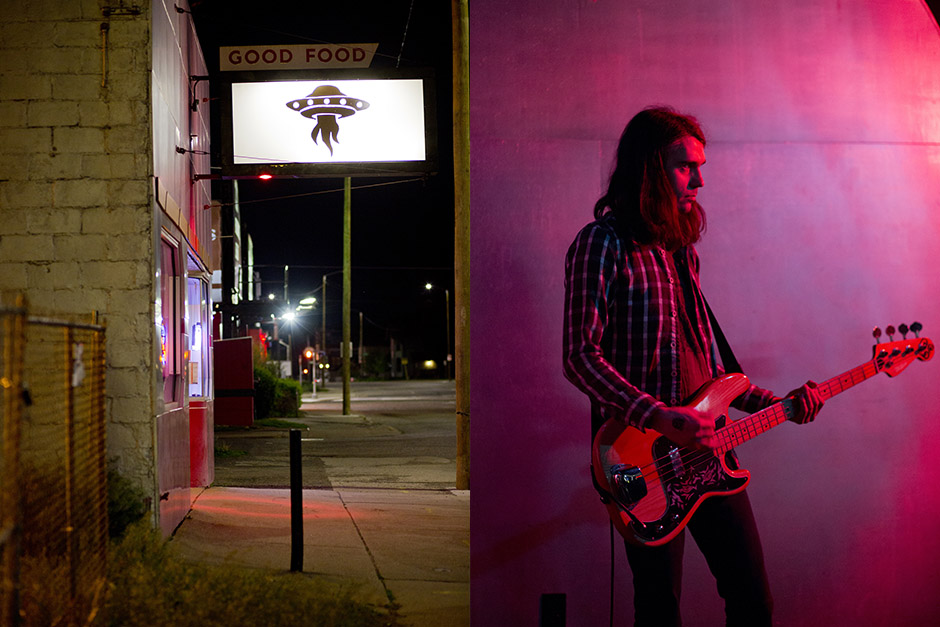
x,y
197,302
168,322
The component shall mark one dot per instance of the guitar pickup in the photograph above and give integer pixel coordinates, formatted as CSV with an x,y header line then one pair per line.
x,y
627,483
675,459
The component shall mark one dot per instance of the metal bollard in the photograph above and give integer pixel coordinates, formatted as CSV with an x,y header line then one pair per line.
x,y
296,505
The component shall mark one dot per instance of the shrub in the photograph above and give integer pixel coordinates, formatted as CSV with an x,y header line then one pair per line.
x,y
287,398
274,396
265,384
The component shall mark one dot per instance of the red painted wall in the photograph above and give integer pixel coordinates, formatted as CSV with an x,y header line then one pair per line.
x,y
823,196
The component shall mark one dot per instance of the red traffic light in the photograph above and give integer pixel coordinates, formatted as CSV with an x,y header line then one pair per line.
x,y
308,353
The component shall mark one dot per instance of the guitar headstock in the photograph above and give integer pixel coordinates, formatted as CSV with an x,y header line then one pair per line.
x,y
894,356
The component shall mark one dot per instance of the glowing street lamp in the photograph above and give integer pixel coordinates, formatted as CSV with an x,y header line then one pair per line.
x,y
306,304
429,287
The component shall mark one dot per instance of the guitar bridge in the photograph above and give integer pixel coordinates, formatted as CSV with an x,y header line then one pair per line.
x,y
627,484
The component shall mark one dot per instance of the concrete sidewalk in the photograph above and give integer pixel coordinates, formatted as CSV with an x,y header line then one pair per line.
x,y
408,546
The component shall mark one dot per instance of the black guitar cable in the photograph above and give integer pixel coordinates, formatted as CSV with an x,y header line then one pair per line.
x,y
611,523
607,497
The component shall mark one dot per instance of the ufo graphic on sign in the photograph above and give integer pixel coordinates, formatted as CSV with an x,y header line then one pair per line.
x,y
327,104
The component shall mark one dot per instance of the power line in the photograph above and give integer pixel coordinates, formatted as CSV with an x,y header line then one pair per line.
x,y
326,191
293,265
405,34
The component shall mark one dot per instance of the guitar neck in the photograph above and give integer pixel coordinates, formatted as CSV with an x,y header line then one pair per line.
x,y
742,430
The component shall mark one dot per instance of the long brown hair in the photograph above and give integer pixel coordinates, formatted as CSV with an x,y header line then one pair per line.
x,y
639,194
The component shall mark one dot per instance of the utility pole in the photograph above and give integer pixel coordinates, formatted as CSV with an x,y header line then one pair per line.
x,y
449,357
286,283
326,350
461,37
347,288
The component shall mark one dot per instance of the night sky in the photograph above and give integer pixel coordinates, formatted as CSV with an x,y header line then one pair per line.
x,y
403,227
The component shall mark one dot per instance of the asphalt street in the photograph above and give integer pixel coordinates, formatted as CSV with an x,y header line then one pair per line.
x,y
398,434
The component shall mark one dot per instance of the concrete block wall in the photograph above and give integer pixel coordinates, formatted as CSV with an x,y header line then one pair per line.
x,y
76,194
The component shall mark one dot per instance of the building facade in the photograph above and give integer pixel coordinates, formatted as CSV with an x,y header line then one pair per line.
x,y
104,133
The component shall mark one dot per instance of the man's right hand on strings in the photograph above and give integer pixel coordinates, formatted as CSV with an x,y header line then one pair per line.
x,y
685,426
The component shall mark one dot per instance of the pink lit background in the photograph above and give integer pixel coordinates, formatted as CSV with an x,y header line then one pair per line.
x,y
823,196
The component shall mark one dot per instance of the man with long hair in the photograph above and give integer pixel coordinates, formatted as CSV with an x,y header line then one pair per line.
x,y
638,341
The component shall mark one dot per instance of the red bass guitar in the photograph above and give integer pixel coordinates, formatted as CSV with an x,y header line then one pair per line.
x,y
654,486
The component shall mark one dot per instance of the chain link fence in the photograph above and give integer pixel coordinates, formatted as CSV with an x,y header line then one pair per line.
x,y
53,474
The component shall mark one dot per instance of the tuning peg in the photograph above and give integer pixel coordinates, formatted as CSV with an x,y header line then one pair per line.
x,y
890,332
876,333
916,328
903,329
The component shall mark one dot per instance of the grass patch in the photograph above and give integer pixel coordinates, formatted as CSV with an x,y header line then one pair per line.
x,y
151,585
226,451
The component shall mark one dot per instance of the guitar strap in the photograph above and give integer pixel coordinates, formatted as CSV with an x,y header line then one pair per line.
x,y
728,359
730,363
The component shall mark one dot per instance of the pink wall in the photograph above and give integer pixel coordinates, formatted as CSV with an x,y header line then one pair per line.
x,y
822,190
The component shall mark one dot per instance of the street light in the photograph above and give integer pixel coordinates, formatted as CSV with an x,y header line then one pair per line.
x,y
429,287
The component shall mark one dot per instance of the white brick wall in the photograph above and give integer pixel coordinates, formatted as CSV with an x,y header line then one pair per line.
x,y
76,221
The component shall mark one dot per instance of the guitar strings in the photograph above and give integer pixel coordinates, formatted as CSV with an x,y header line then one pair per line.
x,y
827,389
736,432
774,414
845,381
695,458
731,433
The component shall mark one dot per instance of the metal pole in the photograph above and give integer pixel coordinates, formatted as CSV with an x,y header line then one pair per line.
x,y
99,432
296,504
449,357
11,502
461,57
326,350
347,288
71,534
360,341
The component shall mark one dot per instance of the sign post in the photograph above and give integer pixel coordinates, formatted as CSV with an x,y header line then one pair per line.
x,y
347,289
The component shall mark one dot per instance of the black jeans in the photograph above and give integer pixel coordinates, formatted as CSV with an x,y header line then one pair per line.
x,y
723,527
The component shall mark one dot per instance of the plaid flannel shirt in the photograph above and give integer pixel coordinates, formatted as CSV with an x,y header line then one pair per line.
x,y
621,325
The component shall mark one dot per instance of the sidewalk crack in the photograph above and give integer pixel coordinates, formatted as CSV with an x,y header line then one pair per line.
x,y
393,605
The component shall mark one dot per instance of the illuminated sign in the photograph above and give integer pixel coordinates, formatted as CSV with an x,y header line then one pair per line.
x,y
163,349
328,124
